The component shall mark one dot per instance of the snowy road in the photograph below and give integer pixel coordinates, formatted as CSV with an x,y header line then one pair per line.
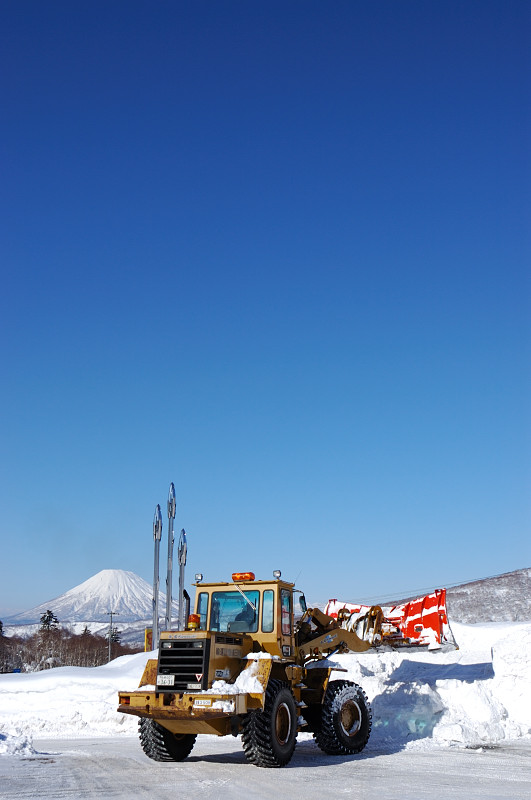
x,y
117,769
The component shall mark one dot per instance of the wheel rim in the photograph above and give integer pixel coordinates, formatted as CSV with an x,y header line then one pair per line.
x,y
350,718
283,723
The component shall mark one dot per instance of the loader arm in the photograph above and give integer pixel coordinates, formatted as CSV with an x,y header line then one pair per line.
x,y
319,635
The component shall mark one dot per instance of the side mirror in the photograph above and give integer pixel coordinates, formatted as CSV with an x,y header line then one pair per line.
x,y
186,598
302,603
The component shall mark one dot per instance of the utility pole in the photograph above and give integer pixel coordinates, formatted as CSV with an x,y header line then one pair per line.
x,y
110,613
157,534
169,577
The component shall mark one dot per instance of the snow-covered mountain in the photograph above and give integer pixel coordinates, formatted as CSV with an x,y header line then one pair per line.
x,y
124,593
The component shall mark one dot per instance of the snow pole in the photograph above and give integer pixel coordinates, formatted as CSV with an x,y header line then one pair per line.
x,y
169,577
157,534
181,554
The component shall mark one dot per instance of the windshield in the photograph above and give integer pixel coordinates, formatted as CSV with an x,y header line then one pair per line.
x,y
231,611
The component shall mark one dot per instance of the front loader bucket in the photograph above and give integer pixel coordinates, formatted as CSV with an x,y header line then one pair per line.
x,y
419,622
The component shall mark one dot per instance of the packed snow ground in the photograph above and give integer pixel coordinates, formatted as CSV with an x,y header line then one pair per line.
x,y
473,697
116,767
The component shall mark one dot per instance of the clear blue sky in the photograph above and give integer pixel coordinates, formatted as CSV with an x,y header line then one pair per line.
x,y
277,253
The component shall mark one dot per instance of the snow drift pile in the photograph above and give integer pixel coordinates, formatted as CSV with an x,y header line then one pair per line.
x,y
476,696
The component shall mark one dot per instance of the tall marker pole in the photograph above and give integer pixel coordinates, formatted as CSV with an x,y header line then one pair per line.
x,y
169,577
157,534
181,552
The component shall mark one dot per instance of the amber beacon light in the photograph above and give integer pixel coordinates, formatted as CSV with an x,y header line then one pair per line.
x,y
243,576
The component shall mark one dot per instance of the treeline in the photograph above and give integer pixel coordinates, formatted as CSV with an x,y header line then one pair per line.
x,y
56,647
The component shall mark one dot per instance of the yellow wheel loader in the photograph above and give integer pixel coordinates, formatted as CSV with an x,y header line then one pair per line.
x,y
243,666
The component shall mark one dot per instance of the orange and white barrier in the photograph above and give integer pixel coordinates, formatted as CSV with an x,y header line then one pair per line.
x,y
419,622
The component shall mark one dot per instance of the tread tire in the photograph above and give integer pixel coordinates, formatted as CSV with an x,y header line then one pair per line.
x,y
160,744
346,719
269,735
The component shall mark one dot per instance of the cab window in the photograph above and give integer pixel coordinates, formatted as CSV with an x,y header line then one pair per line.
x,y
232,611
268,611
285,605
202,609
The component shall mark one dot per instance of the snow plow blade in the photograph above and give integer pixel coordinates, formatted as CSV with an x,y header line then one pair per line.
x,y
422,622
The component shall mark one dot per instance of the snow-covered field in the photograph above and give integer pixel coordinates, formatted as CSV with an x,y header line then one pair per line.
x,y
476,696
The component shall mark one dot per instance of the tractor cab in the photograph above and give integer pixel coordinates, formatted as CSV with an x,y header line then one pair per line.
x,y
263,610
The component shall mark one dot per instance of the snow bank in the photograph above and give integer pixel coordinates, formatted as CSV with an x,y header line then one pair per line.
x,y
66,702
478,695
246,682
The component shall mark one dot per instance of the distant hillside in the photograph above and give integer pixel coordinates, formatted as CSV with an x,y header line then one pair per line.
x,y
503,598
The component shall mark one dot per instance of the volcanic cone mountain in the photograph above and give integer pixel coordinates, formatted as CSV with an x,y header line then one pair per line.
x,y
124,593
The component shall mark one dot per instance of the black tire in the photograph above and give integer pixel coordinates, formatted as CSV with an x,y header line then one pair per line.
x,y
346,719
269,736
160,744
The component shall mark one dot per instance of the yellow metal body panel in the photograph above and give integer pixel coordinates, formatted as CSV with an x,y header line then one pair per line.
x,y
187,713
149,676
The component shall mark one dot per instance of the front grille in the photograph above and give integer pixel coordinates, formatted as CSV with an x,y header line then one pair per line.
x,y
187,660
229,640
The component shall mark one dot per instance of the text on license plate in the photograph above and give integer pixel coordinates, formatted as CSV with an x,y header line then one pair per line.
x,y
165,680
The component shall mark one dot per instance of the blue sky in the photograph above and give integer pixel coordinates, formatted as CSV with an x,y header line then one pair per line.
x,y
277,253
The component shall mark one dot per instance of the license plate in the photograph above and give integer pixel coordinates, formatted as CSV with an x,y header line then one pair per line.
x,y
165,680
